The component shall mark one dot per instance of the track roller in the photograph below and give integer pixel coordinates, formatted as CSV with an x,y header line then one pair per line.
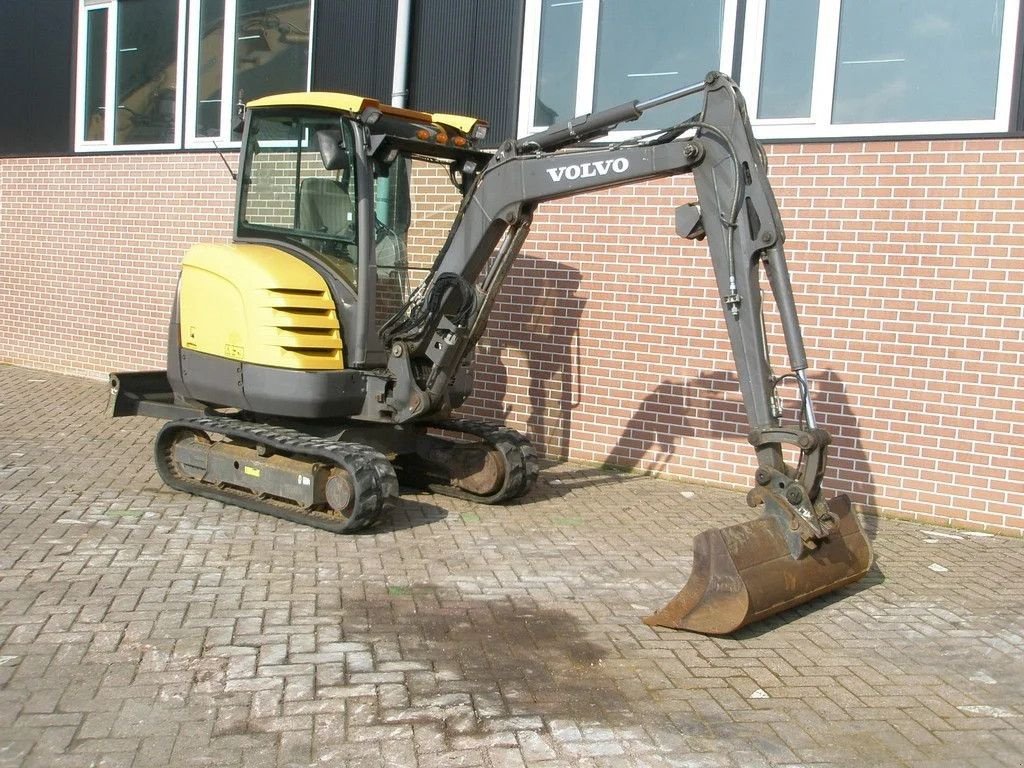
x,y
475,460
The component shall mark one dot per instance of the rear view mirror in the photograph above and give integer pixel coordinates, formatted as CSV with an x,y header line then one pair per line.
x,y
332,150
239,124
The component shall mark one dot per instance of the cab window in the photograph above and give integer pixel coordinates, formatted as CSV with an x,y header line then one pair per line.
x,y
299,186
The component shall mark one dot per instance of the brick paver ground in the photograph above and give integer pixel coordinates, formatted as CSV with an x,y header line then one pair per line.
x,y
141,627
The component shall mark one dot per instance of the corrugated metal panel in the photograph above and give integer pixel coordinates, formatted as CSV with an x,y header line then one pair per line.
x,y
37,57
465,59
354,47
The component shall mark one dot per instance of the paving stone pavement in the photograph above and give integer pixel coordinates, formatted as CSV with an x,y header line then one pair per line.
x,y
141,627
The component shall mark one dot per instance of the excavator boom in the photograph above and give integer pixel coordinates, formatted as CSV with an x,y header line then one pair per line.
x,y
804,546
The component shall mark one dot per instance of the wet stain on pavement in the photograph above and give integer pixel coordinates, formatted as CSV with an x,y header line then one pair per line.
x,y
512,657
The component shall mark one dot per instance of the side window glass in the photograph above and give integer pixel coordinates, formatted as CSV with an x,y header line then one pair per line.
x,y
300,186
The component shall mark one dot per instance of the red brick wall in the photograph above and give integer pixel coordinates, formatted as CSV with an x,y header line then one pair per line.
x,y
609,345
91,247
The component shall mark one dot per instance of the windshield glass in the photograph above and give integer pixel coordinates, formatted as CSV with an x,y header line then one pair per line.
x,y
415,206
300,186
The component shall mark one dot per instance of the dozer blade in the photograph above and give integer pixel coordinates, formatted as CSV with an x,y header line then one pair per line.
x,y
745,572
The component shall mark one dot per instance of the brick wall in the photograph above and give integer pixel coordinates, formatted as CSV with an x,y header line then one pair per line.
x,y
608,345
90,252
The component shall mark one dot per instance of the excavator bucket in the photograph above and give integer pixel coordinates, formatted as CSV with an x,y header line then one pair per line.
x,y
745,572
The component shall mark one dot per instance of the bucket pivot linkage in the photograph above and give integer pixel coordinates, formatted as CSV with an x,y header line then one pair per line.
x,y
800,548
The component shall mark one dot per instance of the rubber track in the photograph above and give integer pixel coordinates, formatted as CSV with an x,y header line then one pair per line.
x,y
372,474
518,453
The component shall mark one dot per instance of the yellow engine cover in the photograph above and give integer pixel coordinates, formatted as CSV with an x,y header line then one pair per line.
x,y
257,304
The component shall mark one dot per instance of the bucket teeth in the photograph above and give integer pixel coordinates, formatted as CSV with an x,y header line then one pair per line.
x,y
745,572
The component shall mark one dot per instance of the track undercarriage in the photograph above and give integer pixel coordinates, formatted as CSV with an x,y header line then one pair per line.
x,y
327,481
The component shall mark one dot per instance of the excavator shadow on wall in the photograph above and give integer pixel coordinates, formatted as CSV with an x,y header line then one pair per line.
x,y
709,406
544,313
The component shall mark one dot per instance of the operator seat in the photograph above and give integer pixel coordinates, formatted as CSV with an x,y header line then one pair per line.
x,y
325,206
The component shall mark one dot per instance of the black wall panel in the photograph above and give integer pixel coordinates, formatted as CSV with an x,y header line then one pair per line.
x,y
465,59
37,52
354,47
1017,105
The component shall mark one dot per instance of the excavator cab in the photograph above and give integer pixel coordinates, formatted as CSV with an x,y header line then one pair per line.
x,y
286,319
314,361
302,185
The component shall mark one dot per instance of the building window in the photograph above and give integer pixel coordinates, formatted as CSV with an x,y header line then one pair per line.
x,y
95,79
824,68
133,56
809,68
130,70
263,49
585,55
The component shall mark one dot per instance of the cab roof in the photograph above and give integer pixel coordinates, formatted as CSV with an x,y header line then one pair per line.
x,y
355,105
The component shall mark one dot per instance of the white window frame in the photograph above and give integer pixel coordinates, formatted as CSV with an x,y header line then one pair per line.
x,y
187,71
588,61
819,123
228,115
107,143
226,73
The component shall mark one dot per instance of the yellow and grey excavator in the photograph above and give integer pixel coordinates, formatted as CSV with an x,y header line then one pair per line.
x,y
315,361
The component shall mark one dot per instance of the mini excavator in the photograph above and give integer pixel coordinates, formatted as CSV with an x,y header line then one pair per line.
x,y
312,364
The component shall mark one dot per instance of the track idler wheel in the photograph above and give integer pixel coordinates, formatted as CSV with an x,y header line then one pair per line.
x,y
340,492
478,461
745,572
476,468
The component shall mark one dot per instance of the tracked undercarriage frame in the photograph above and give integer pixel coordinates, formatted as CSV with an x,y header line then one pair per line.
x,y
339,476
